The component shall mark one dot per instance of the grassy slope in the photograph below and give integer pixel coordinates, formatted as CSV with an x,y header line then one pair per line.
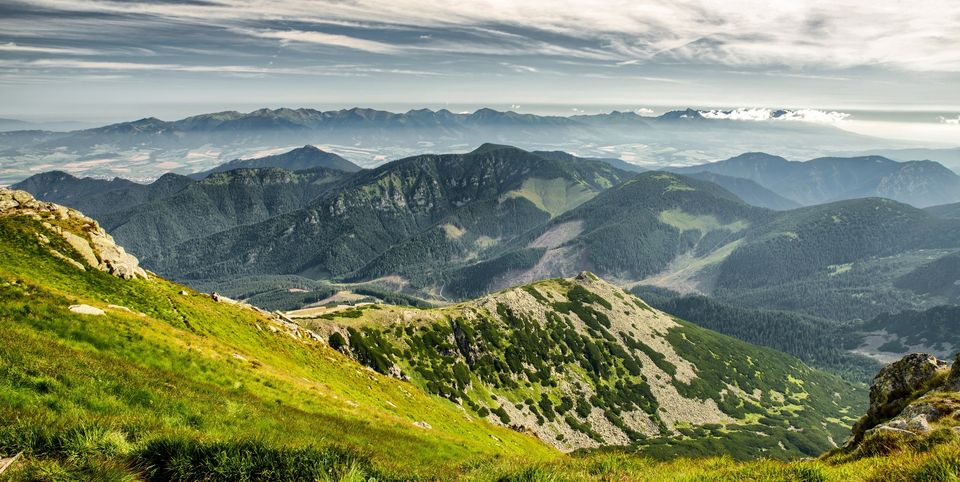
x,y
109,397
173,372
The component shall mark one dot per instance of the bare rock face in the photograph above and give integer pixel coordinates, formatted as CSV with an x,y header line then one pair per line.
x,y
953,381
904,400
897,381
96,248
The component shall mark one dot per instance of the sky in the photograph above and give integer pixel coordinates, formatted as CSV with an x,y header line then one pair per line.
x,y
100,60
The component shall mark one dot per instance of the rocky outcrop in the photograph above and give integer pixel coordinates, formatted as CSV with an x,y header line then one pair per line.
x,y
953,381
91,242
910,395
894,384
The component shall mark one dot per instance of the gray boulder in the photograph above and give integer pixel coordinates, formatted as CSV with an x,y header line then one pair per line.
x,y
893,386
953,381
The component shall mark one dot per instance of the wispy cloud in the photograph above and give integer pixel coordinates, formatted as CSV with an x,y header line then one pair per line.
x,y
327,39
816,33
950,121
523,69
35,49
334,70
632,52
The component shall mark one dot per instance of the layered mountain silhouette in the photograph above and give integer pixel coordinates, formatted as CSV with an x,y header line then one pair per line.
x,y
826,179
460,225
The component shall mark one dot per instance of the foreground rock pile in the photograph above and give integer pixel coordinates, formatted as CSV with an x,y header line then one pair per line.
x,y
91,242
910,397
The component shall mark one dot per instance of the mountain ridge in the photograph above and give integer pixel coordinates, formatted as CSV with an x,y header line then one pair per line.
x,y
302,158
828,179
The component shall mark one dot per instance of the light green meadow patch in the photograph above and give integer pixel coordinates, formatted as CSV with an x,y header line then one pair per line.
x,y
554,196
701,222
836,269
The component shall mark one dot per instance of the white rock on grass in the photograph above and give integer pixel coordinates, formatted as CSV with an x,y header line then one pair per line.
x,y
87,310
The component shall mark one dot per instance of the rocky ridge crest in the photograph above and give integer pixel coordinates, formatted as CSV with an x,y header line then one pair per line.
x,y
94,245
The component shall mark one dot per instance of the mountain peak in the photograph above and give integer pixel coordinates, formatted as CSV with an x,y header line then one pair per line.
x,y
758,157
687,114
491,147
306,157
307,148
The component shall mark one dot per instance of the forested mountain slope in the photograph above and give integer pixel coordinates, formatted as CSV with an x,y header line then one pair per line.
x,y
844,260
826,179
839,260
951,211
819,342
749,191
216,203
466,202
629,232
97,197
935,331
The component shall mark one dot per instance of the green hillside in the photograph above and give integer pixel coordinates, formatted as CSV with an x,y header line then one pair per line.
x,y
819,342
584,364
106,378
165,371
838,260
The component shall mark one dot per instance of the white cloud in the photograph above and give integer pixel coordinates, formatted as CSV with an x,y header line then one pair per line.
x,y
645,111
522,69
311,37
919,36
343,70
950,121
13,47
743,113
764,114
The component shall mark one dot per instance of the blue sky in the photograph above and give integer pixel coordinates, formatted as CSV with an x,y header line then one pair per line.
x,y
111,60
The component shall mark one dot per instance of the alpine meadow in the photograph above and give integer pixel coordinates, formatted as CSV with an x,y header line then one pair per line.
x,y
315,240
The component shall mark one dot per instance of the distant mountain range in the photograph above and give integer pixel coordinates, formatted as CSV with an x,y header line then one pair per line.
x,y
7,125
827,179
14,124
949,157
369,137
